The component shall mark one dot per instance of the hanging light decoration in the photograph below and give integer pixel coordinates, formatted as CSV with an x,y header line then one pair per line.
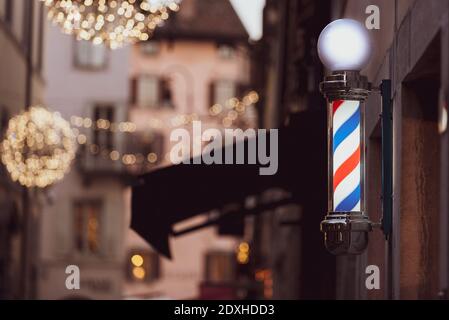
x,y
110,22
38,148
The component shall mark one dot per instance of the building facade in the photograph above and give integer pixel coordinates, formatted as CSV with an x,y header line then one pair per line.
x,y
83,223
123,105
21,85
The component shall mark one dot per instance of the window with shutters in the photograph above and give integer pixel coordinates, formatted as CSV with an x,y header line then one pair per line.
x,y
89,56
151,92
147,91
103,138
87,222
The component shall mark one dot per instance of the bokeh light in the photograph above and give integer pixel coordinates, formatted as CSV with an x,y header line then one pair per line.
x,y
38,148
137,260
113,22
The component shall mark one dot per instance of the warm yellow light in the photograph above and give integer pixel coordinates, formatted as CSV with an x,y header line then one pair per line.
x,y
253,97
115,155
244,247
242,258
112,23
38,148
216,109
227,122
137,260
82,139
139,273
152,158
243,253
129,159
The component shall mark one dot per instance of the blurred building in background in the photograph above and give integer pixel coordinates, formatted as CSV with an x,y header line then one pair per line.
x,y
84,221
21,85
123,105
287,244
195,66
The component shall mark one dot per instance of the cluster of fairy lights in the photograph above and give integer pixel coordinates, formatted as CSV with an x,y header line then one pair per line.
x,y
110,22
228,114
38,147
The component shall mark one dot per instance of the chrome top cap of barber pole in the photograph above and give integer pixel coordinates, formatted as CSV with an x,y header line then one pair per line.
x,y
345,85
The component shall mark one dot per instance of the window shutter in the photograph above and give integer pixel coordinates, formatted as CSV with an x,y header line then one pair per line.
x,y
82,53
110,117
4,119
160,99
97,55
133,91
212,94
96,132
165,94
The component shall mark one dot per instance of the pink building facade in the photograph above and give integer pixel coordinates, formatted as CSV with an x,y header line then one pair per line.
x,y
188,71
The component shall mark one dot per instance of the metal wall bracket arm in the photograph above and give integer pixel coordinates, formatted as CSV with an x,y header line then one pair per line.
x,y
387,158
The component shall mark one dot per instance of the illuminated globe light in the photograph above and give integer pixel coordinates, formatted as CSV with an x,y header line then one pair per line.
x,y
110,22
38,148
345,45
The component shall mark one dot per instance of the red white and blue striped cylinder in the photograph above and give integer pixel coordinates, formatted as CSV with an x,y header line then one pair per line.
x,y
345,163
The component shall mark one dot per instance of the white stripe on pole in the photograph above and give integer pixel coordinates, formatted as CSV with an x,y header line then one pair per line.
x,y
343,113
346,148
347,186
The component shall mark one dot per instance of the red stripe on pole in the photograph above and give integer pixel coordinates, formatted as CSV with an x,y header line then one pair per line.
x,y
346,168
336,104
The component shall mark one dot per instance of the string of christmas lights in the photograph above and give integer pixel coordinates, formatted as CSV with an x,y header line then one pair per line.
x,y
233,109
152,158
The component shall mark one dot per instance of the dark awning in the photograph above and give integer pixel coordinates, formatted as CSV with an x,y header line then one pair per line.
x,y
173,194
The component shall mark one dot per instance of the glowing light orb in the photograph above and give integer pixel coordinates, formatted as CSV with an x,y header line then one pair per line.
x,y
345,45
38,148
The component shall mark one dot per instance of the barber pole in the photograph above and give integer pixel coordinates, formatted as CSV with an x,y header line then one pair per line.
x,y
345,48
346,225
346,166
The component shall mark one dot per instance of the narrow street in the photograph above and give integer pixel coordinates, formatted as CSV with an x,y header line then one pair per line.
x,y
224,150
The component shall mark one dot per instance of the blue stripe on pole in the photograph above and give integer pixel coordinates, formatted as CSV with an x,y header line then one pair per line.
x,y
350,201
347,128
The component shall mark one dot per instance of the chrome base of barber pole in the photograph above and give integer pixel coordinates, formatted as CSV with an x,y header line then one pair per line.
x,y
346,232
